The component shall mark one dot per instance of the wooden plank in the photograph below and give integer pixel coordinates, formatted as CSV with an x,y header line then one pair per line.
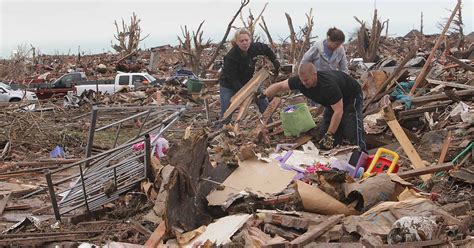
x,y
260,132
303,139
439,97
415,113
30,234
156,236
402,138
275,230
417,244
427,66
287,221
3,202
242,110
444,150
272,107
451,84
18,207
460,63
140,228
249,88
312,234
426,170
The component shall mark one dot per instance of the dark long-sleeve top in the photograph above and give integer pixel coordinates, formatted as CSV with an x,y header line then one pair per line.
x,y
239,67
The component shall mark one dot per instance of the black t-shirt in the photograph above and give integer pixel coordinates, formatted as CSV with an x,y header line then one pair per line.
x,y
330,88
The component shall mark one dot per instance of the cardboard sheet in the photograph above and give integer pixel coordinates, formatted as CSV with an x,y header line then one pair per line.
x,y
258,177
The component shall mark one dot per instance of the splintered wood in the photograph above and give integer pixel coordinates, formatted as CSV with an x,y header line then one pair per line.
x,y
247,91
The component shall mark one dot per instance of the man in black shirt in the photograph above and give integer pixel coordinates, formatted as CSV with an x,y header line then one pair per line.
x,y
341,96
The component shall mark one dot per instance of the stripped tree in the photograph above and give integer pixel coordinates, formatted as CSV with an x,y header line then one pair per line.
x,y
300,42
368,41
191,47
251,22
128,37
264,27
457,29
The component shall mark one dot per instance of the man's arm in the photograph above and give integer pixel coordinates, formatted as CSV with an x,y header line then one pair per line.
x,y
338,109
276,88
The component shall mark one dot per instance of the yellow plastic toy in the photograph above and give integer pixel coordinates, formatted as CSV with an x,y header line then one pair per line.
x,y
376,158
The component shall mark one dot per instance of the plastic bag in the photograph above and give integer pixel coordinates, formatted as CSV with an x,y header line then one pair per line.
x,y
296,119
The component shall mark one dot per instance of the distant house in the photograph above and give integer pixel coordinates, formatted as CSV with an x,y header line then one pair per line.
x,y
413,34
469,38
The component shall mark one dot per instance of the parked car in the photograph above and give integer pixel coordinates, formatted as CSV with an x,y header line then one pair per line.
x,y
8,94
122,80
60,86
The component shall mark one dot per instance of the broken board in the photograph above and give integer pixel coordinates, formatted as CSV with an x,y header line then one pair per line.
x,y
249,88
405,143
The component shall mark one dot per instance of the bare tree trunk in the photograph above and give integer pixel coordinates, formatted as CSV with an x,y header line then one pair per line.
x,y
243,3
129,37
292,38
368,42
191,47
307,36
252,22
263,25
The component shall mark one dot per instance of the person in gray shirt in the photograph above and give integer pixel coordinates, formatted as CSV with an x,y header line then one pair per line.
x,y
328,54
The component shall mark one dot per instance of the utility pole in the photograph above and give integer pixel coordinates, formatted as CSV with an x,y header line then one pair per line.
x,y
421,23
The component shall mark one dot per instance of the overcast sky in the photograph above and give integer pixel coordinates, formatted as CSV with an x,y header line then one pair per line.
x,y
60,26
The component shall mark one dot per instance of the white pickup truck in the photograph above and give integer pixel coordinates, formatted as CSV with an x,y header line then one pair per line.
x,y
7,94
122,80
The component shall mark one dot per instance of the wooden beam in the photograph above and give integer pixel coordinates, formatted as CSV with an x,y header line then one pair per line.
x,y
275,230
402,138
451,84
317,231
250,87
416,244
156,236
444,150
413,113
242,111
140,228
260,132
426,170
420,100
303,139
3,202
426,68
460,63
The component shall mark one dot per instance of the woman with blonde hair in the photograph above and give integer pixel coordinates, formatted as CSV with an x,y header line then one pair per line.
x,y
239,67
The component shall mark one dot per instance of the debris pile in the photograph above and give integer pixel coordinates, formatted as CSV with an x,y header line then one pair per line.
x,y
154,164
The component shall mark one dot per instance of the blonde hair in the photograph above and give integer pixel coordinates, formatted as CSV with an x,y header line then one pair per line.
x,y
238,33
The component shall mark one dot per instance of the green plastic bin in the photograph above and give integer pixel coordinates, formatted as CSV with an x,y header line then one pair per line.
x,y
194,85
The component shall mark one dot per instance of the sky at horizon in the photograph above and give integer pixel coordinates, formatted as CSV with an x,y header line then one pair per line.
x,y
62,26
